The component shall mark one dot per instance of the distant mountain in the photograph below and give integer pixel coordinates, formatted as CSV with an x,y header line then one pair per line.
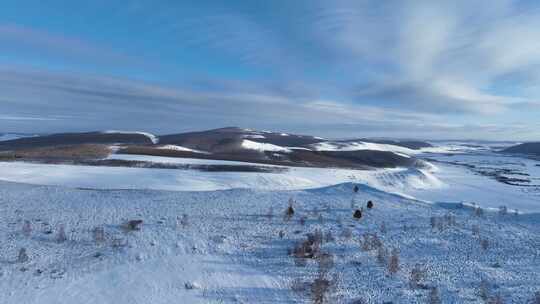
x,y
107,137
229,143
12,136
230,137
525,148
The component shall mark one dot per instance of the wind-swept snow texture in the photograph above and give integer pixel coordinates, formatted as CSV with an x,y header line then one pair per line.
x,y
225,247
393,180
253,145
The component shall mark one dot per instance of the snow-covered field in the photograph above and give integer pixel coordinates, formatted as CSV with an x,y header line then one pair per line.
x,y
394,180
221,237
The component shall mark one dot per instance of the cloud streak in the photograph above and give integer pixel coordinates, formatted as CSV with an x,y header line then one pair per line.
x,y
336,66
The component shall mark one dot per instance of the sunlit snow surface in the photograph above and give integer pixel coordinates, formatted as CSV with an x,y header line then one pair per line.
x,y
449,180
231,251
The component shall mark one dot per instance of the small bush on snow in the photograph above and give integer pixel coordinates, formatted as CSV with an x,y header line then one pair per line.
x,y
27,228
346,233
484,290
434,297
325,261
99,235
484,244
478,211
329,237
289,212
270,213
132,225
319,290
382,255
393,263
61,234
22,257
299,287
536,298
417,276
184,221
475,230
370,241
503,210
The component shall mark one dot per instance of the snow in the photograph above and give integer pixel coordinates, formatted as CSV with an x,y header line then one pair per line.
x,y
354,146
150,136
228,263
229,248
254,136
253,145
393,180
12,136
180,148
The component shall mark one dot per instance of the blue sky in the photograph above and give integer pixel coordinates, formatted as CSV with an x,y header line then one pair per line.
x,y
415,69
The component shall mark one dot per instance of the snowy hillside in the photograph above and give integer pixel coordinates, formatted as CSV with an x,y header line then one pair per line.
x,y
446,230
194,247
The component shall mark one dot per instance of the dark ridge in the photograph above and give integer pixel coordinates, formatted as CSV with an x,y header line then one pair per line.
x,y
362,159
74,139
228,138
526,148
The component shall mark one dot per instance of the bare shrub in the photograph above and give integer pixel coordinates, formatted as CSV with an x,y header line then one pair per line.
x,y
132,225
300,261
299,287
433,222
476,230
119,243
434,297
450,219
99,235
339,222
484,290
440,225
536,298
503,210
417,276
382,255
393,263
370,241
479,212
22,257
325,261
61,234
346,233
382,228
484,244
319,290
316,239
497,299
184,221
270,213
306,249
281,234
289,212
329,237
27,228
